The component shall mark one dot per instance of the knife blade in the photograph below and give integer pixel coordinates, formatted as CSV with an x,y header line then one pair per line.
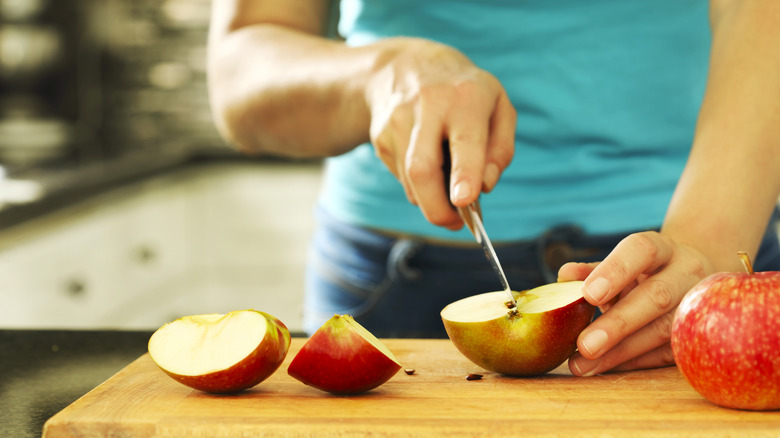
x,y
472,217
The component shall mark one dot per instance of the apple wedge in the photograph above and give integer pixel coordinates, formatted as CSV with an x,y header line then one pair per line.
x,y
532,339
221,353
342,357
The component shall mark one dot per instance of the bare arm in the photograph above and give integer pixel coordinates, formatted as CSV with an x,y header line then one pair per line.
x,y
721,205
278,86
732,179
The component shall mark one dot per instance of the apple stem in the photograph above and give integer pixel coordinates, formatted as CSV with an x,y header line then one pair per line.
x,y
745,258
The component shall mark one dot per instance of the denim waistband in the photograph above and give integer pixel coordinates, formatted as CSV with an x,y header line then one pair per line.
x,y
560,244
552,249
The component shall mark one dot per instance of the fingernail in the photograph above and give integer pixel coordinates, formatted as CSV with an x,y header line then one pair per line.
x,y
460,192
598,289
490,176
594,341
582,370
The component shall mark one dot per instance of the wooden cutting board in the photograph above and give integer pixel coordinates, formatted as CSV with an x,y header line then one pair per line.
x,y
141,401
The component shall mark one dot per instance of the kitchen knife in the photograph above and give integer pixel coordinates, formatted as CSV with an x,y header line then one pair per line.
x,y
472,216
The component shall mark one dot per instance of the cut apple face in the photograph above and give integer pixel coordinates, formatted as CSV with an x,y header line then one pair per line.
x,y
532,339
221,353
342,357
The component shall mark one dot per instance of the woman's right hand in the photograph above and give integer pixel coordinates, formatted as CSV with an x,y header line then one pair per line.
x,y
422,93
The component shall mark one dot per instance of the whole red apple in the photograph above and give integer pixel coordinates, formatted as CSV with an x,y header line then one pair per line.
x,y
342,357
726,339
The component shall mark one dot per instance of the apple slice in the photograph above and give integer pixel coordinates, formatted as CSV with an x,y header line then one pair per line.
x,y
221,353
533,339
342,357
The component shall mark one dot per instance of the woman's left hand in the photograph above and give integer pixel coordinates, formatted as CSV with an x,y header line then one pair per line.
x,y
637,287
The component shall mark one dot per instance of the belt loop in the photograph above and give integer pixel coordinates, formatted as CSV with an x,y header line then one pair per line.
x,y
398,259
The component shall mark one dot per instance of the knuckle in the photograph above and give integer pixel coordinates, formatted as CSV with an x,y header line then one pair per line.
x,y
663,328
666,354
417,169
432,94
660,294
468,137
384,151
618,322
696,269
502,153
620,270
644,243
467,87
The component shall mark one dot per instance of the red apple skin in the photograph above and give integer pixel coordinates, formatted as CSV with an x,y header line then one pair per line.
x,y
337,359
250,371
528,344
726,339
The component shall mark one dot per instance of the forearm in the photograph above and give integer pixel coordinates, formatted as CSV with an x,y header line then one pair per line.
x,y
732,180
279,90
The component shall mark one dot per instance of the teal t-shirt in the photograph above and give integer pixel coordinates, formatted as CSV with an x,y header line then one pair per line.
x,y
607,94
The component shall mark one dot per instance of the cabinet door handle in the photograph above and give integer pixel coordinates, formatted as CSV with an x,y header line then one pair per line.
x,y
75,287
145,254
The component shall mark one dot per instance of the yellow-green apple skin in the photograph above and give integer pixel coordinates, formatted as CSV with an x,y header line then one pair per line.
x,y
342,357
186,348
726,339
521,343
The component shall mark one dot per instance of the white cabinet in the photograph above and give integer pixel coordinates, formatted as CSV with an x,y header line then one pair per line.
x,y
207,239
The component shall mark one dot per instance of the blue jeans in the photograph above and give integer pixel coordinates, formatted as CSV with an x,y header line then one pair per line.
x,y
397,286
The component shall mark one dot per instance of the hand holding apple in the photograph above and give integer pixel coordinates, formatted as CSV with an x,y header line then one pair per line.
x,y
726,339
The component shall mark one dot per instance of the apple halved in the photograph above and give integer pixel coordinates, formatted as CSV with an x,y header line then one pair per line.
x,y
221,353
533,339
342,357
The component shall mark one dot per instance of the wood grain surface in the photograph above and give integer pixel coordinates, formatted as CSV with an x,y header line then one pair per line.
x,y
437,400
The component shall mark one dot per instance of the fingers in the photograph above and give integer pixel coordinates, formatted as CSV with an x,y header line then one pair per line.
x,y
575,271
425,176
501,142
646,276
467,131
644,304
659,357
645,349
416,104
480,126
390,136
635,255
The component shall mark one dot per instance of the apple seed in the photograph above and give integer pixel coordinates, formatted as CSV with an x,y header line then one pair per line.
x,y
473,376
409,371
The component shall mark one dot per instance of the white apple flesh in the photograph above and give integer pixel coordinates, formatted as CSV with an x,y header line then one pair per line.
x,y
342,357
221,353
533,339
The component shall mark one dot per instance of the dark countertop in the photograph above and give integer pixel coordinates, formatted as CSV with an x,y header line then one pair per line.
x,y
43,371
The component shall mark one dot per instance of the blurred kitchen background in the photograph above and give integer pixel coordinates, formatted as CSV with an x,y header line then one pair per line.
x,y
120,206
